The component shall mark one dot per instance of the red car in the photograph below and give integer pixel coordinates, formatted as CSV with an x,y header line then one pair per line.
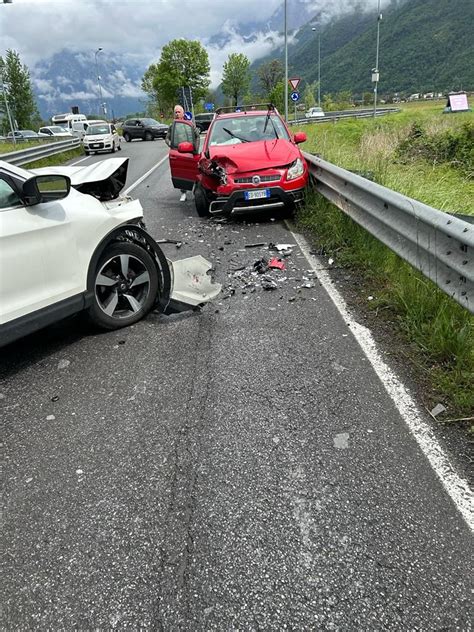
x,y
249,162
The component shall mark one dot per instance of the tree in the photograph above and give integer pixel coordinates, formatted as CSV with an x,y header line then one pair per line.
x,y
269,74
308,94
183,63
236,76
18,90
277,96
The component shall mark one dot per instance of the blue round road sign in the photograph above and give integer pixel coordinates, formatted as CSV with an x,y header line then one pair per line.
x,y
294,96
188,116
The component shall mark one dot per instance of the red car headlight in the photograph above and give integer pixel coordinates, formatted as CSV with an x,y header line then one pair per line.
x,y
295,170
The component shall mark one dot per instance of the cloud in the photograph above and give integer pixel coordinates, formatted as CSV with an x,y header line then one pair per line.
x,y
138,29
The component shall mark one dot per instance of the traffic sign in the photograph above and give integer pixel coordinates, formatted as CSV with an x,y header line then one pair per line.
x,y
188,116
295,82
209,106
294,96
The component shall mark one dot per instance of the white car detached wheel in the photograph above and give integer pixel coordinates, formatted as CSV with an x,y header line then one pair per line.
x,y
125,286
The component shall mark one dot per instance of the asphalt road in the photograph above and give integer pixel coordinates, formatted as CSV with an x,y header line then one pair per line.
x,y
242,468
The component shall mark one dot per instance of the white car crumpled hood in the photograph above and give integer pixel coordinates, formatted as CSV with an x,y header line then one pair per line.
x,y
88,173
104,180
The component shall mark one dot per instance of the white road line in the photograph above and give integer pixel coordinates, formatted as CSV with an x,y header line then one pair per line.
x,y
145,175
73,164
457,488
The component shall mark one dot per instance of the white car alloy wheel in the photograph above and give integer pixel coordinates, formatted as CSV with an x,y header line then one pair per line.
x,y
125,286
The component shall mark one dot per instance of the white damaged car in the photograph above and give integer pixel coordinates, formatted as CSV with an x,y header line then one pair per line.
x,y
69,242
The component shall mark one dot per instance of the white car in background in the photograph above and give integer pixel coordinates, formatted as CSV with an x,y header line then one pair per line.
x,y
101,137
314,113
69,242
54,131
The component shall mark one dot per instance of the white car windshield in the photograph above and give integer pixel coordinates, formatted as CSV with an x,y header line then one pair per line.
x,y
246,129
57,130
94,130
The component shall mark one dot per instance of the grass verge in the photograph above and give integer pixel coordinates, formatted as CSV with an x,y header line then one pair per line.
x,y
437,335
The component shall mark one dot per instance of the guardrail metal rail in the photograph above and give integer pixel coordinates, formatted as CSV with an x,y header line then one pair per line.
x,y
24,156
344,114
438,244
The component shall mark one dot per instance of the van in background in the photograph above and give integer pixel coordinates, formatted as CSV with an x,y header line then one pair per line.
x,y
67,120
78,128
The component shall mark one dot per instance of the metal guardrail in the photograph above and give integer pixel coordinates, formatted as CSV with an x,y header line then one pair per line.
x,y
440,245
344,114
24,156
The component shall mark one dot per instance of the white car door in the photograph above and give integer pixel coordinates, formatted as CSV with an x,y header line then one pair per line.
x,y
39,262
22,278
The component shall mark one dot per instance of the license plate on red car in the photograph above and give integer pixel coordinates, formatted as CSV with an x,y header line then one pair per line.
x,y
257,195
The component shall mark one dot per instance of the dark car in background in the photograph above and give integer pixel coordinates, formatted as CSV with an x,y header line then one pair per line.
x,y
144,128
203,121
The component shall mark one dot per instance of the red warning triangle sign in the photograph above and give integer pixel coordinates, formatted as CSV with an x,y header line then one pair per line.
x,y
294,83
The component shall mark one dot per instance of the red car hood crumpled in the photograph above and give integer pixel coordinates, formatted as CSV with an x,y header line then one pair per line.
x,y
255,156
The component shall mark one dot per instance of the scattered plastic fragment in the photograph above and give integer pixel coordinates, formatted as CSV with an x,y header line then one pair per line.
x,y
269,284
276,263
258,245
370,298
63,364
437,410
54,398
330,261
261,266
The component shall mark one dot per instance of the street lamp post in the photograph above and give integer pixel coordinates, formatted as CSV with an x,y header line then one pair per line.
x,y
319,65
4,90
375,71
286,65
101,105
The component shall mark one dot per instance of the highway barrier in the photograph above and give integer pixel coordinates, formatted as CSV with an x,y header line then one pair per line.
x,y
438,244
24,156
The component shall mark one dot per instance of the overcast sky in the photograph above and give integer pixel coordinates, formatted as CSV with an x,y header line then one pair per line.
x,y
37,29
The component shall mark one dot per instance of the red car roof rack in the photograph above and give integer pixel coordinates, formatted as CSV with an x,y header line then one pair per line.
x,y
246,108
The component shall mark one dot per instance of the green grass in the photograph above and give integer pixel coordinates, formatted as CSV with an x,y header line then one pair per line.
x,y
438,333
370,145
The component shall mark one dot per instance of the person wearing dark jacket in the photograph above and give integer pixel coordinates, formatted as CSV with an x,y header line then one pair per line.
x,y
179,116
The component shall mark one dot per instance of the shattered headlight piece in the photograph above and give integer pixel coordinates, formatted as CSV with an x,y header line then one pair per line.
x,y
295,170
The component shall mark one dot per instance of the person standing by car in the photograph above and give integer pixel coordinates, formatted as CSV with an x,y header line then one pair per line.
x,y
179,116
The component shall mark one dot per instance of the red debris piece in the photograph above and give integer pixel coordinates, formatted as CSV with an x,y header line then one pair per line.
x,y
276,263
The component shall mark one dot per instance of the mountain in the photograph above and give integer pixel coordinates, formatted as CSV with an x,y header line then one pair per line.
x,y
70,79
425,45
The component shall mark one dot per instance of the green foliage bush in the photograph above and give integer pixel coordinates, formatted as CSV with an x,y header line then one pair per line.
x,y
453,146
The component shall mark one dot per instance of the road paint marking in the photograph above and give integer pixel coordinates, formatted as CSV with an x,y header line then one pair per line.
x,y
457,488
73,164
144,176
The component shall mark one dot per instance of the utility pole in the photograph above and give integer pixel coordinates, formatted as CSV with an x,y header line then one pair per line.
x,y
375,71
286,64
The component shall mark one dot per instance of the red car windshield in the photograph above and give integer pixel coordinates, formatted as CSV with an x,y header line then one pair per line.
x,y
246,129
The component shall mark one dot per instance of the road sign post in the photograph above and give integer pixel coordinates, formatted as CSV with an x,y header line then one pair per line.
x,y
294,82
